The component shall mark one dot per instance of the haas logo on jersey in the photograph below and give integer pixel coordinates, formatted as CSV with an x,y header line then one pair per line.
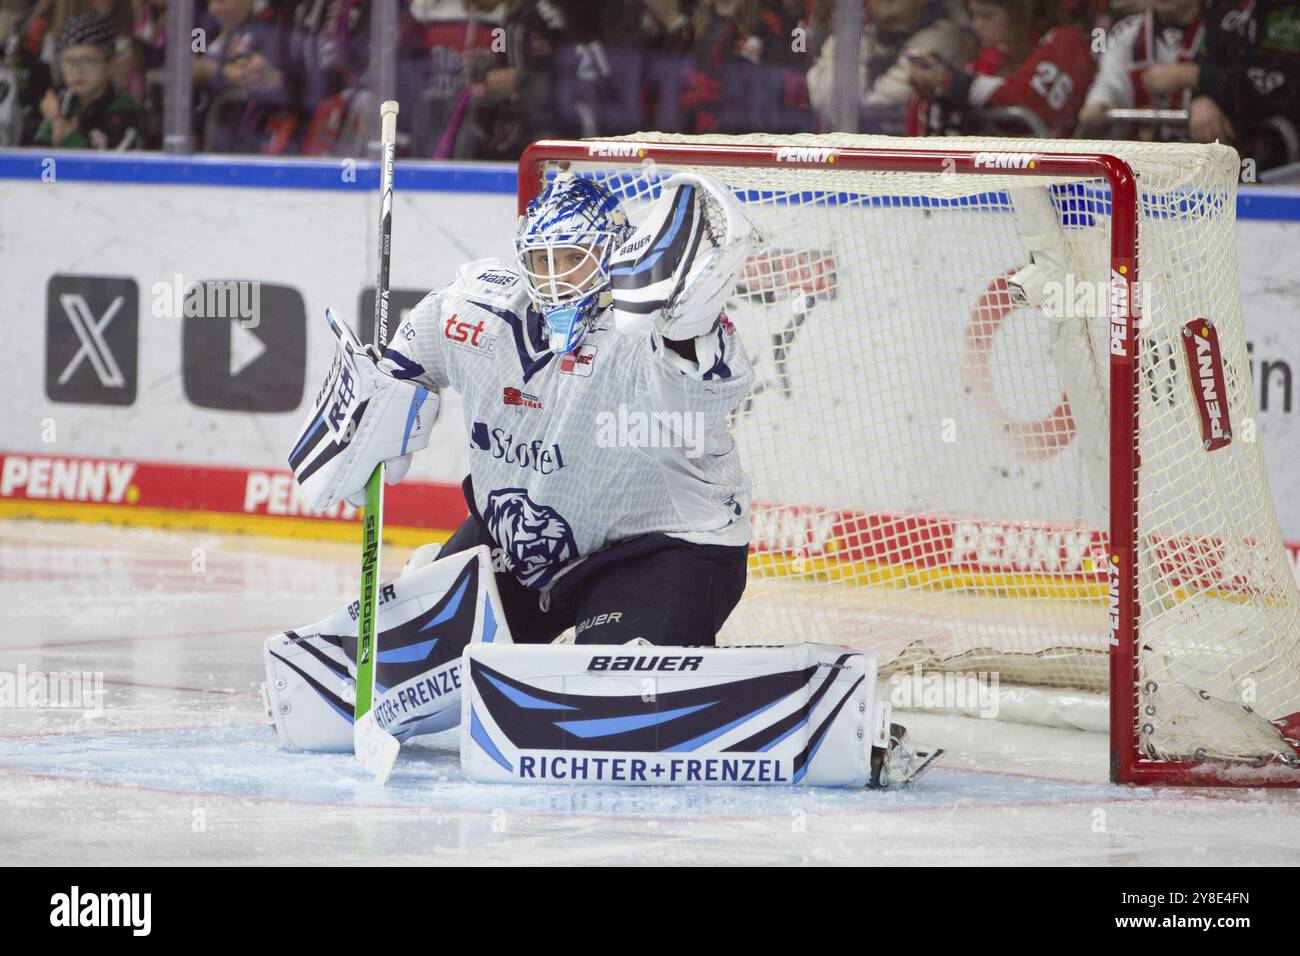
x,y
467,335
579,361
502,279
536,538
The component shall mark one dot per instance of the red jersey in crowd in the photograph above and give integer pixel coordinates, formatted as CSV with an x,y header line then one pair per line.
x,y
1051,81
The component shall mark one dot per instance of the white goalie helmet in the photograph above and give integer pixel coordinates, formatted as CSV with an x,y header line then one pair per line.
x,y
566,238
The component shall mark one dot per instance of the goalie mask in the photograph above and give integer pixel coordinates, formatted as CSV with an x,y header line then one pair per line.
x,y
565,241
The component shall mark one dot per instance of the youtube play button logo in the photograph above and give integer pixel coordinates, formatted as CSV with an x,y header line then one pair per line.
x,y
247,364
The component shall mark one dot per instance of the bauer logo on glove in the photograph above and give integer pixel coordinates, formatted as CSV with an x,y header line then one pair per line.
x,y
362,416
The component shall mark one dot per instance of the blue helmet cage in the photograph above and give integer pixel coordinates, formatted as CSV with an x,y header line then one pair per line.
x,y
572,213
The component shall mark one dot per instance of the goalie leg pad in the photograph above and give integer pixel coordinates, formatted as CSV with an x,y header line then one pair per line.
x,y
425,620
613,714
1044,240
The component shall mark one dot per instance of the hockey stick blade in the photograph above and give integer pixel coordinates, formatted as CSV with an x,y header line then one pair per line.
x,y
924,762
375,747
902,766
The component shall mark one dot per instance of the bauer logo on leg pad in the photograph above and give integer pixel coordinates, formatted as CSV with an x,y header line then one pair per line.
x,y
556,714
644,663
386,594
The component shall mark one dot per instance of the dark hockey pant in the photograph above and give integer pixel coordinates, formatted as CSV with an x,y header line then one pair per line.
x,y
661,589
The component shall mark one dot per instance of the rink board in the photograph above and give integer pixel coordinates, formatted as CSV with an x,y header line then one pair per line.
x,y
100,253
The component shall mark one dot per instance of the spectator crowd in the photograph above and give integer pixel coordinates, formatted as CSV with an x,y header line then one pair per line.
x,y
479,79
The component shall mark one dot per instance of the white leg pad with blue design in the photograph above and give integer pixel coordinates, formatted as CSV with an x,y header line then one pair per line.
x,y
595,714
426,619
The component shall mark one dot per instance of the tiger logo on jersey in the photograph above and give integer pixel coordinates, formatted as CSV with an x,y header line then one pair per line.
x,y
536,539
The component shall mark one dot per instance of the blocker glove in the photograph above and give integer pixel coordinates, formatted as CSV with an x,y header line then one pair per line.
x,y
361,416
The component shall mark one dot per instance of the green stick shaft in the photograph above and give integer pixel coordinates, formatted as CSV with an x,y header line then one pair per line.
x,y
372,536
372,528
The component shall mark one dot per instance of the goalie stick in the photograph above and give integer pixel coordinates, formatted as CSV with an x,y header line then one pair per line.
x,y
373,746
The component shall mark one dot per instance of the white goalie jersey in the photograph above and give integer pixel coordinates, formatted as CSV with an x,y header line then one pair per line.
x,y
570,453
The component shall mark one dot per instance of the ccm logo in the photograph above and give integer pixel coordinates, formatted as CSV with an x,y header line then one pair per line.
x,y
1201,343
805,154
1005,160
638,663
615,150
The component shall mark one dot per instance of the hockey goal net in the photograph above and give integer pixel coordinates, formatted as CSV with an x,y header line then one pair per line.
x,y
961,463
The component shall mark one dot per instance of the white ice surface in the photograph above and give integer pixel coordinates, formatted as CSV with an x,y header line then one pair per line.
x,y
180,768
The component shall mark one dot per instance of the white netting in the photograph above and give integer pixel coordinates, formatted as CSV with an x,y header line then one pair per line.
x,y
931,463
